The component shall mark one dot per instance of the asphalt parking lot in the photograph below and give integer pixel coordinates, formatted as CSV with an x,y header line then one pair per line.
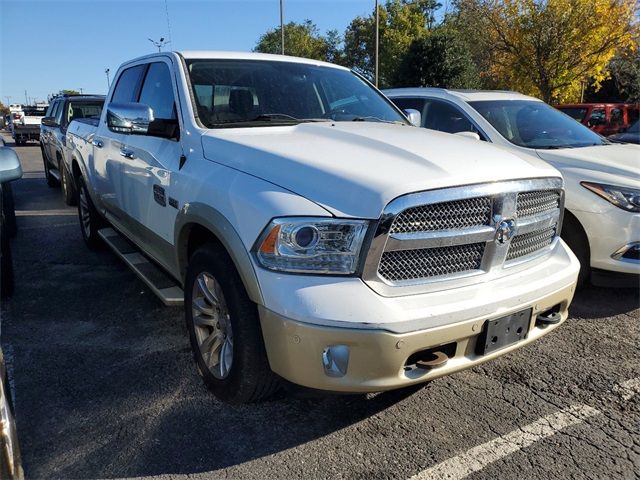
x,y
105,387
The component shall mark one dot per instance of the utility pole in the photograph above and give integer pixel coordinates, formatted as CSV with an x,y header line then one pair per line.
x,y
106,70
26,98
81,90
377,42
8,100
282,25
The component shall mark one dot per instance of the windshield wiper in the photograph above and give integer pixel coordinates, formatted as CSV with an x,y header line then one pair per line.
x,y
371,118
283,116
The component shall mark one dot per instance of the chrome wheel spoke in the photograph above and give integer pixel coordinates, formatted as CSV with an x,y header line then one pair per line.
x,y
212,325
203,308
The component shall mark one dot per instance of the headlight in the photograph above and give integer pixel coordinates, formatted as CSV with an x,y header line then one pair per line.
x,y
312,245
624,197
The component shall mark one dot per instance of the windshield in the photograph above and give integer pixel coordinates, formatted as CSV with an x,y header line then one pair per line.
x,y
532,124
245,93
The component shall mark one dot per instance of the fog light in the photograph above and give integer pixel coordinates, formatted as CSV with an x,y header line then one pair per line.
x,y
335,360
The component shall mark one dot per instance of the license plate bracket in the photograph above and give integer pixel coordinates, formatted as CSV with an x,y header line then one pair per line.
x,y
504,331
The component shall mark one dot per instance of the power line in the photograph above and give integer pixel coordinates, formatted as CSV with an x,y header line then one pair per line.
x,y
166,11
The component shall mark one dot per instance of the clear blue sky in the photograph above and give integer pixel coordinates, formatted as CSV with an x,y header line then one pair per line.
x,y
46,46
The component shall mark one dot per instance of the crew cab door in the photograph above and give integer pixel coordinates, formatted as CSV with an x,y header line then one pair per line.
x,y
107,146
149,163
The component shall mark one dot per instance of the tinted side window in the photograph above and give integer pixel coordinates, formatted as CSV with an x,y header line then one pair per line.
x,y
128,85
59,111
157,92
418,104
633,114
50,110
597,116
446,118
616,116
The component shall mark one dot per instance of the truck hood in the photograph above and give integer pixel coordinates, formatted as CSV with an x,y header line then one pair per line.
x,y
611,163
354,169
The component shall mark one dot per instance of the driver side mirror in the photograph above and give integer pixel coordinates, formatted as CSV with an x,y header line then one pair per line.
x,y
10,168
413,116
131,118
49,122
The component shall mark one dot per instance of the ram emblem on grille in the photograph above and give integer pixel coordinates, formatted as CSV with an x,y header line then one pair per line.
x,y
505,231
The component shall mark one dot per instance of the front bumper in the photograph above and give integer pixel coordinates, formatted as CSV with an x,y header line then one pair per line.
x,y
377,358
609,233
383,332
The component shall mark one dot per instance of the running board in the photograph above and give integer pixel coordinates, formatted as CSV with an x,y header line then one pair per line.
x,y
166,288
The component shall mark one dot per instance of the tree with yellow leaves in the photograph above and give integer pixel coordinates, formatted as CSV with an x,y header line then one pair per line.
x,y
547,48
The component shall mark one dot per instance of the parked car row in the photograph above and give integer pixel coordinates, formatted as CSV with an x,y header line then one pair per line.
x,y
313,234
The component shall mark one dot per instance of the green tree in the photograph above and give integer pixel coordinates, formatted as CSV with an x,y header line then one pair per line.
x,y
302,40
4,110
439,59
400,24
625,73
69,92
546,48
428,9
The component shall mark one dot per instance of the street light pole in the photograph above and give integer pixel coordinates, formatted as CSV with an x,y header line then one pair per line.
x,y
377,41
108,83
282,25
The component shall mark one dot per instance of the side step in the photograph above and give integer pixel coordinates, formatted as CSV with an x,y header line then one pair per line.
x,y
158,281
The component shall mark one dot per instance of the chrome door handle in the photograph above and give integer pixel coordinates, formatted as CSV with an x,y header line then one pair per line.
x,y
126,153
98,143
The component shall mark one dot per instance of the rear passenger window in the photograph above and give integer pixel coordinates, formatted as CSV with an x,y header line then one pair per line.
x,y
616,116
157,92
633,114
128,85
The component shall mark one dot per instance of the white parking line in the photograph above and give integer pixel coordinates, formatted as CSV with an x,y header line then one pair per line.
x,y
477,458
628,389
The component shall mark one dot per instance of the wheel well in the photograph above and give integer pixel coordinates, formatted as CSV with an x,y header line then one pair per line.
x,y
574,233
75,171
192,237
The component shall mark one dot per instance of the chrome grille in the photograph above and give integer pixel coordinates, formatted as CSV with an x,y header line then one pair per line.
x,y
402,265
531,242
537,202
427,241
459,214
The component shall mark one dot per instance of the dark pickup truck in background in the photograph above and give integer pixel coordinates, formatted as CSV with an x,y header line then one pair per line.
x,y
53,141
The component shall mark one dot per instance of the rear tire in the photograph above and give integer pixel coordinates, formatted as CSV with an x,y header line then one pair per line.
x,y
90,219
574,235
225,315
51,181
66,183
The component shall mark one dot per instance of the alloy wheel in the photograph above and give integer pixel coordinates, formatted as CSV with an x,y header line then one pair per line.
x,y
212,325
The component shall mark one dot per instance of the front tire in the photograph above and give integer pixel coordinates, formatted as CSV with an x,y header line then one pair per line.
x,y
90,219
575,237
224,330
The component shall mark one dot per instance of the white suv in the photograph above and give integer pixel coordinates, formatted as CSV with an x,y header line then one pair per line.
x,y
602,221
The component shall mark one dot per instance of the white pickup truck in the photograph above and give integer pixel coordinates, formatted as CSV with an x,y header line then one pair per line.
x,y
316,234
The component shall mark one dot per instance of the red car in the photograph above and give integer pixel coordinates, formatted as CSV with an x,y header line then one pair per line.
x,y
603,118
